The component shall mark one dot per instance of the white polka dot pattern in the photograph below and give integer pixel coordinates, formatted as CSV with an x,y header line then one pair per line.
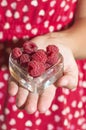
x,y
34,3
4,3
16,15
52,21
1,35
12,122
2,118
20,115
38,121
8,13
3,127
1,85
28,123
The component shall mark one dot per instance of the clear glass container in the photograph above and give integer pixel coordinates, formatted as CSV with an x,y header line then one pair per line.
x,y
38,84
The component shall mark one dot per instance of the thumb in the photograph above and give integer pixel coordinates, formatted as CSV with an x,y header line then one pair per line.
x,y
68,81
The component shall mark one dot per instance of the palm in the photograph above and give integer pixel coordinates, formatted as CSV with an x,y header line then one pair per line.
x,y
69,79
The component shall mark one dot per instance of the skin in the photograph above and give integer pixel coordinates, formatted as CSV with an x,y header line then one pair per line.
x,y
70,42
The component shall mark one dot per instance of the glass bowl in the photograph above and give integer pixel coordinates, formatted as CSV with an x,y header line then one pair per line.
x,y
38,84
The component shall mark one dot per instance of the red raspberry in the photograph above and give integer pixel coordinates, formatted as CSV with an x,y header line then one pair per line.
x,y
40,56
52,48
16,53
24,59
35,68
47,65
29,47
52,58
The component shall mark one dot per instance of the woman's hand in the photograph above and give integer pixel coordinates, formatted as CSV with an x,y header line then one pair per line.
x,y
32,102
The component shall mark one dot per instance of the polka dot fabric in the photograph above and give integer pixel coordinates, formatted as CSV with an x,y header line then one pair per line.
x,y
22,19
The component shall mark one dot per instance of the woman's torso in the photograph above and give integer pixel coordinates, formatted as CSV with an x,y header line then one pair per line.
x,y
29,18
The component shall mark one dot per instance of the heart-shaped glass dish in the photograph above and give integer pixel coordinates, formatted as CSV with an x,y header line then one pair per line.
x,y
38,84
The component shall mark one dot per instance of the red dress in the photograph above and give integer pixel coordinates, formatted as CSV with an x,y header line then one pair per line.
x,y
22,19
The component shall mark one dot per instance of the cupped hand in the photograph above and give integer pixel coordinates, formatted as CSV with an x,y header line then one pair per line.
x,y
41,102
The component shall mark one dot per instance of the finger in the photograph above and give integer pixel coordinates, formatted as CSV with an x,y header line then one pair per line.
x,y
21,96
68,81
70,77
31,104
46,99
12,87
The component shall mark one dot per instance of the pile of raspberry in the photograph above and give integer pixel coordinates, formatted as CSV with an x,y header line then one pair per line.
x,y
36,61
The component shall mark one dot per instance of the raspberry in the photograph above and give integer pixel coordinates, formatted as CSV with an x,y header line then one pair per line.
x,y
52,58
47,66
52,54
40,56
24,59
35,68
29,47
16,53
52,48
